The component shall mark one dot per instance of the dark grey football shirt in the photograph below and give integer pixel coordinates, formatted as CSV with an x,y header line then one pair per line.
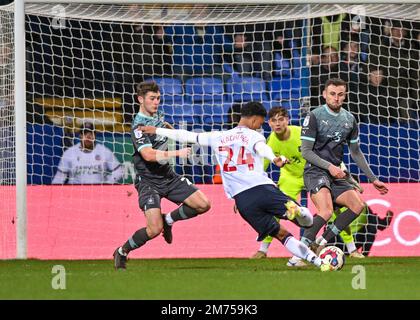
x,y
330,131
151,171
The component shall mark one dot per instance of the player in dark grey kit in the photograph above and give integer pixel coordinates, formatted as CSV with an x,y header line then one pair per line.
x,y
155,178
325,131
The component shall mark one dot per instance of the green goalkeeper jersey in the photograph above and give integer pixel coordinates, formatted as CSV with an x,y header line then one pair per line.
x,y
291,175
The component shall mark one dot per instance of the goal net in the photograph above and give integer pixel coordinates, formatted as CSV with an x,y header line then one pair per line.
x,y
83,62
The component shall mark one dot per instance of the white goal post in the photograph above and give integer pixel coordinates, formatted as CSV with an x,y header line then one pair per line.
x,y
224,12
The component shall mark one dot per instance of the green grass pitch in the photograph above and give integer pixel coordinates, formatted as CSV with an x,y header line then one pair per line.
x,y
185,279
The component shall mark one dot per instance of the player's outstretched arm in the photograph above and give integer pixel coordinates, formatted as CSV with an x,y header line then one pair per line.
x,y
361,162
313,158
183,136
380,186
153,155
265,151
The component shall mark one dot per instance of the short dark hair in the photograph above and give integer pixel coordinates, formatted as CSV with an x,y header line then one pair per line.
x,y
253,108
147,86
87,127
282,111
335,82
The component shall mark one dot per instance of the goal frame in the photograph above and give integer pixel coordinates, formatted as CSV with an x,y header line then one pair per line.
x,y
20,90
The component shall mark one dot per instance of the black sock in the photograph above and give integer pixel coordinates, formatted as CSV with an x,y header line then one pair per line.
x,y
138,239
310,233
343,220
184,212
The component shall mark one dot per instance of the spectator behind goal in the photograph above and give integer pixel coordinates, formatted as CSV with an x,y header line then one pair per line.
x,y
88,162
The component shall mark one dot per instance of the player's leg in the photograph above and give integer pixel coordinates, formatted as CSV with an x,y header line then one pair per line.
x,y
318,183
194,202
139,238
349,241
263,249
299,215
153,228
258,206
354,204
297,248
296,261
293,191
149,202
346,236
323,203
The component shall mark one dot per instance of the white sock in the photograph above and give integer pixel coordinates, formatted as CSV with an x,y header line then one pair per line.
x,y
264,246
351,247
121,252
321,241
300,250
169,219
306,218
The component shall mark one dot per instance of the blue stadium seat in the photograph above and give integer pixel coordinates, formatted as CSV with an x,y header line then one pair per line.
x,y
211,113
217,113
247,89
282,67
44,151
177,112
204,89
285,88
293,107
170,89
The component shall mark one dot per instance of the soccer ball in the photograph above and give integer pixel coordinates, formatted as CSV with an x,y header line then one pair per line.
x,y
333,256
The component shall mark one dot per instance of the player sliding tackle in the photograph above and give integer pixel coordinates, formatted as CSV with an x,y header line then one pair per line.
x,y
240,153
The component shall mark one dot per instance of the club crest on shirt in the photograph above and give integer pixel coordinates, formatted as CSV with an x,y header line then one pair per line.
x,y
97,157
138,133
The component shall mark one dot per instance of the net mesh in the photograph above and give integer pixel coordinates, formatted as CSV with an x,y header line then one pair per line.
x,y
7,134
84,60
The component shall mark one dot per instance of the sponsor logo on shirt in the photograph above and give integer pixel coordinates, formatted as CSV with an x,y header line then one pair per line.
x,y
138,133
336,137
306,121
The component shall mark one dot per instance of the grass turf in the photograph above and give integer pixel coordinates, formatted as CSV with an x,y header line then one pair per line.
x,y
184,279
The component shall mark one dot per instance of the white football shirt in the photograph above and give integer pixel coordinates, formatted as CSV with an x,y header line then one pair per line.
x,y
88,167
241,167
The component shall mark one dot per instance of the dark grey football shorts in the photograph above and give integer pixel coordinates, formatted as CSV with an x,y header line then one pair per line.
x,y
176,189
316,178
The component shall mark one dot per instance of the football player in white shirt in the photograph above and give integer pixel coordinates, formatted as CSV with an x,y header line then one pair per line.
x,y
88,162
240,153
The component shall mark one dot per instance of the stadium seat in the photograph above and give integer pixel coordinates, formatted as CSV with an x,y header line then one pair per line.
x,y
204,89
179,112
170,89
44,151
211,113
285,88
217,113
293,107
247,89
282,67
